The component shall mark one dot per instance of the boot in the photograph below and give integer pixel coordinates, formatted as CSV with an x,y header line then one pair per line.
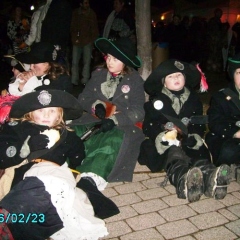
x,y
216,179
188,182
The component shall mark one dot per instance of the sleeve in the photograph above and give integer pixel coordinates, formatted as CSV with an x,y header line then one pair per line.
x,y
76,152
10,147
33,29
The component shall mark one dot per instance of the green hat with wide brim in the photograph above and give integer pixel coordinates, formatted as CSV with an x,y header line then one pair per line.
x,y
233,64
123,49
44,99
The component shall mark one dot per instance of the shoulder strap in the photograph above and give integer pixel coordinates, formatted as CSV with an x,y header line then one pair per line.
x,y
39,153
233,95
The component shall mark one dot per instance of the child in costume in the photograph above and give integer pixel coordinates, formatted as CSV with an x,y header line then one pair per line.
x,y
45,185
174,126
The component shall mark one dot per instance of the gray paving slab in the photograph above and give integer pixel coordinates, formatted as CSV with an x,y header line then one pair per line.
x,y
219,233
176,229
152,193
177,213
143,235
234,227
208,220
145,221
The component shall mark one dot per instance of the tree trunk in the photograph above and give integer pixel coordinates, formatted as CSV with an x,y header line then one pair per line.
x,y
143,31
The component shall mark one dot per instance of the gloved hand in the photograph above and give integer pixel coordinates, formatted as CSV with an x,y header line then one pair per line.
x,y
38,142
100,111
107,125
189,141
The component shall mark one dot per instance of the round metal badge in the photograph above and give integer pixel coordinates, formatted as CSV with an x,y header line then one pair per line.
x,y
44,98
11,151
125,88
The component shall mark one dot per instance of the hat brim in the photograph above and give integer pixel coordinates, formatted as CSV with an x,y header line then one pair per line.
x,y
232,66
108,47
30,102
154,83
28,58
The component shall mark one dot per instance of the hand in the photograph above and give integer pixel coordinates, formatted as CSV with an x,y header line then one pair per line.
x,y
25,76
100,111
38,142
189,141
107,125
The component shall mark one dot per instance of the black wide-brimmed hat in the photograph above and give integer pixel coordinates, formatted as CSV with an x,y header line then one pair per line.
x,y
123,49
233,64
44,99
39,53
155,81
22,67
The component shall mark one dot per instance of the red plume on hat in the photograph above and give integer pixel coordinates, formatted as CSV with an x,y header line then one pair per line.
x,y
203,83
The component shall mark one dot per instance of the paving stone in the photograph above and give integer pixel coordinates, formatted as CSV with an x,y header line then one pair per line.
x,y
125,212
185,238
233,187
235,209
230,200
206,205
145,221
228,214
152,193
236,194
173,200
208,220
170,188
141,168
177,213
126,199
159,174
177,229
153,182
130,188
143,235
219,233
113,184
234,227
109,192
116,229
140,177
148,206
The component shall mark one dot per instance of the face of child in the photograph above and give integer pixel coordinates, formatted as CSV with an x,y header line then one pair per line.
x,y
236,78
114,65
40,69
46,116
174,81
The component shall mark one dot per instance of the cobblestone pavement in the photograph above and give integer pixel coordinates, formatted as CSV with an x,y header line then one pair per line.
x,y
150,212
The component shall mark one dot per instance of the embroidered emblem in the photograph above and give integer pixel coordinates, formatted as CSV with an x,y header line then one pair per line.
x,y
228,98
46,82
44,98
125,88
179,65
11,151
13,123
158,105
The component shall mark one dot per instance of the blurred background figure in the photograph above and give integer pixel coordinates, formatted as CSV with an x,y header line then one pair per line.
x,y
84,31
17,29
120,23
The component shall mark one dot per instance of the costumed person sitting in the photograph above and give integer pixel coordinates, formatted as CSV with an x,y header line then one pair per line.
x,y
37,143
44,71
113,98
174,126
223,137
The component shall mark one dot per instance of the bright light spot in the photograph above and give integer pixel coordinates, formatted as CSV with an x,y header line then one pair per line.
x,y
162,17
32,8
